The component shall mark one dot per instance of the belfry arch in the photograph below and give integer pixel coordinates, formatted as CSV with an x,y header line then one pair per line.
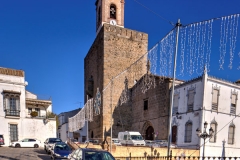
x,y
148,131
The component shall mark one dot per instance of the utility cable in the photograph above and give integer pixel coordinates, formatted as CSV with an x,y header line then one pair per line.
x,y
173,24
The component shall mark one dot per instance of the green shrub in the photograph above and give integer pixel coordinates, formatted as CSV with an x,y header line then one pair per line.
x,y
34,114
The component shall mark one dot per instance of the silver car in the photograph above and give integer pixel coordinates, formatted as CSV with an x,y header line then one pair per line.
x,y
90,154
49,143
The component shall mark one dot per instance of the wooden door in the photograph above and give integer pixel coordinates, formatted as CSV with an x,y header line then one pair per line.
x,y
174,134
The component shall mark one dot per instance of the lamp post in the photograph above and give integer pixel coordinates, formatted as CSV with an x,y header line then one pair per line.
x,y
205,135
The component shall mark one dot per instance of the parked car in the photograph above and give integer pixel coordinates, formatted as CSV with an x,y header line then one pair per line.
x,y
49,142
60,150
1,139
27,142
149,143
162,143
90,154
116,142
92,141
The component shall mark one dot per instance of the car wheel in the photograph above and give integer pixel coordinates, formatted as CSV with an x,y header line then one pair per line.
x,y
17,146
36,146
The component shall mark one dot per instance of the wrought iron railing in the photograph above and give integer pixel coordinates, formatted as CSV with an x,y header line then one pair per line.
x,y
177,158
9,112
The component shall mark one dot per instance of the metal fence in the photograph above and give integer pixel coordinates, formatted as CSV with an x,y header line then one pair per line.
x,y
177,158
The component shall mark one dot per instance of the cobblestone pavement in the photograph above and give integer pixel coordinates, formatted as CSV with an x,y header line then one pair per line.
x,y
9,153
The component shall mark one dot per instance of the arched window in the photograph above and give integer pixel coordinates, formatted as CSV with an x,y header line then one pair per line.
x,y
113,11
231,131
11,103
214,127
188,132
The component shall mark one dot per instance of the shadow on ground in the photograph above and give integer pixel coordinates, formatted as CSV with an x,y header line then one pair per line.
x,y
9,158
42,154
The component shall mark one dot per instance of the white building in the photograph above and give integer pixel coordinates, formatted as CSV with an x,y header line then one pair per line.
x,y
211,100
16,107
63,132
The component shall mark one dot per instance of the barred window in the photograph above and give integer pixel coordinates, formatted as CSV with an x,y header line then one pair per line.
x,y
233,104
11,103
215,95
214,127
188,132
13,129
190,100
231,131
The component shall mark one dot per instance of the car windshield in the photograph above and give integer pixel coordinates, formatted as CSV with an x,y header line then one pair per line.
x,y
136,137
54,140
98,155
62,147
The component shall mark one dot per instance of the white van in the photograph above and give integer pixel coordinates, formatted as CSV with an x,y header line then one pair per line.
x,y
131,138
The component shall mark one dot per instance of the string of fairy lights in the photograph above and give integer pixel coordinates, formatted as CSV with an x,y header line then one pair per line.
x,y
199,42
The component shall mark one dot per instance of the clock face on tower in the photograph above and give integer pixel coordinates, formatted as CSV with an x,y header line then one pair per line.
x,y
113,22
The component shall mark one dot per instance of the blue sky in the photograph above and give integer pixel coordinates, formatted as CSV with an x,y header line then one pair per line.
x,y
49,39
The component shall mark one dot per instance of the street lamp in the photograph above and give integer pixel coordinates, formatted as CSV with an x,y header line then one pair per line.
x,y
205,135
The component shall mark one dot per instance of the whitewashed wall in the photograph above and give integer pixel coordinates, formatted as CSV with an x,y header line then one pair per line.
x,y
202,113
222,117
194,117
27,127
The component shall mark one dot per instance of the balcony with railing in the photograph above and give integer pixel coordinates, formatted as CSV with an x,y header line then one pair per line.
x,y
13,113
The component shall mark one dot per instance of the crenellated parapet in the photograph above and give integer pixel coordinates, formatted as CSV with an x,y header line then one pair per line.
x,y
125,33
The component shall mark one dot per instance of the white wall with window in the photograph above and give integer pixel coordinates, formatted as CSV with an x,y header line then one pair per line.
x,y
15,123
214,101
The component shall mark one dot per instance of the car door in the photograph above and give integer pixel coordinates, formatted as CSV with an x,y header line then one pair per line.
x,y
24,143
31,142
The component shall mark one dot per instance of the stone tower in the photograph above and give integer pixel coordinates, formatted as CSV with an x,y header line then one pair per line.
x,y
114,49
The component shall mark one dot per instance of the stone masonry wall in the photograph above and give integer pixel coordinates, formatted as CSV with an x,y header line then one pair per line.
x,y
158,109
112,52
93,66
122,47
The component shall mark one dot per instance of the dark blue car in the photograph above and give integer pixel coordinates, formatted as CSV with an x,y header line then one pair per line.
x,y
60,150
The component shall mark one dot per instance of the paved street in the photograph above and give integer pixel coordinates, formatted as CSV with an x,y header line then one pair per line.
x,y
8,153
